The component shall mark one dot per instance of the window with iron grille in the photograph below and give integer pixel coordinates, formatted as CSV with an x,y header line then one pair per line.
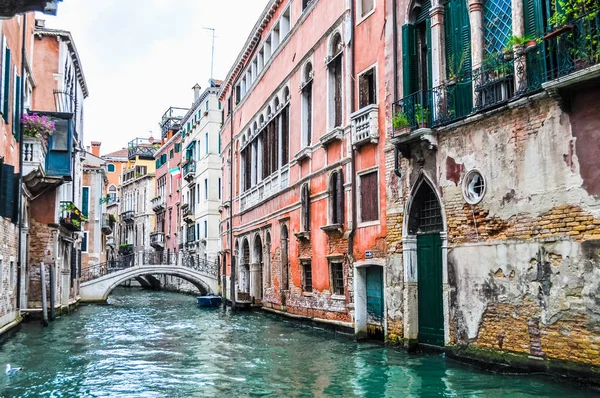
x,y
336,198
426,212
307,274
367,88
337,278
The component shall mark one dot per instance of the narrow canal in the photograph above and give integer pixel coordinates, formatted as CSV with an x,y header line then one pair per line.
x,y
155,344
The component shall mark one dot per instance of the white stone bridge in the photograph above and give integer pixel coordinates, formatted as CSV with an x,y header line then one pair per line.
x,y
98,281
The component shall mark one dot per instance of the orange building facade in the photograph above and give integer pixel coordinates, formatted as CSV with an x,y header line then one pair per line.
x,y
303,226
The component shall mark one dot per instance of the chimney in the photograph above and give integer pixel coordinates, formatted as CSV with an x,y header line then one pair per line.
x,y
196,89
96,148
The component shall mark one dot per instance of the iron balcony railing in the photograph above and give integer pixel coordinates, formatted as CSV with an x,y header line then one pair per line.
x,y
189,170
70,216
128,215
569,48
143,148
573,44
126,248
171,120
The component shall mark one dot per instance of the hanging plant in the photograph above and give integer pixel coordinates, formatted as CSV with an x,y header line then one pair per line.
x,y
37,126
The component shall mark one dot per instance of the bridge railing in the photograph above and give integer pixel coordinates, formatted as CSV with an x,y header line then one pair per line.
x,y
192,261
108,267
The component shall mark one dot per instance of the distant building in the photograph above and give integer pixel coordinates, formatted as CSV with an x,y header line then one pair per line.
x,y
201,171
137,220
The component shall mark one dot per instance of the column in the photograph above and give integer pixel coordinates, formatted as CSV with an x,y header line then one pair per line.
x,y
518,27
411,302
360,303
438,61
255,283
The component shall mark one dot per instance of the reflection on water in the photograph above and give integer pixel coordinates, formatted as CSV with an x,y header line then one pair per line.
x,y
155,344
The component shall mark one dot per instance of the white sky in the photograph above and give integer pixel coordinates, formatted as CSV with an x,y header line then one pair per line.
x,y
141,56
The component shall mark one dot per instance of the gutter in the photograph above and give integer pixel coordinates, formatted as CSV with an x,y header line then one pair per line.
x,y
20,198
352,154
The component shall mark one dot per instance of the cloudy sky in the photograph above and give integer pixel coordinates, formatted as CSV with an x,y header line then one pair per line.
x,y
141,56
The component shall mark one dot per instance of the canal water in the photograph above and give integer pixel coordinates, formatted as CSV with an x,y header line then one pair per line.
x,y
157,344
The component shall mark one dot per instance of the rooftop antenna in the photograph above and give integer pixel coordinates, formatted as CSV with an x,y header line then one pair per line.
x,y
212,59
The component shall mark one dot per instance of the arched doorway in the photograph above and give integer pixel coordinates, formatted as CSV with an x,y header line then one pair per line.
x,y
244,286
425,230
257,270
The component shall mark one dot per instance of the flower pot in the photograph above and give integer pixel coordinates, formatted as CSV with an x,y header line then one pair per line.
x,y
508,55
423,125
531,44
451,81
401,131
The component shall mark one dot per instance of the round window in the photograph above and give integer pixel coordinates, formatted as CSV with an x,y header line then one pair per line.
x,y
473,187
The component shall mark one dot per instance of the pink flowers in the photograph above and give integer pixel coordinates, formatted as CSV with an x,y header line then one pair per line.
x,y
37,126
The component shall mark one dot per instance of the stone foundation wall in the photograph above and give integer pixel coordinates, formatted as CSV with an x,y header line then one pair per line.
x,y
8,274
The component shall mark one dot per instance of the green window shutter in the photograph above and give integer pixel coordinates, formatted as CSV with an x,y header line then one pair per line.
x,y
17,108
429,55
5,103
532,14
85,199
8,191
15,214
458,49
409,59
164,158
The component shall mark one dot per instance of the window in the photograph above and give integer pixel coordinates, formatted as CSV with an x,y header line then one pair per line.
x,y
111,168
16,125
171,154
307,106
307,276
306,3
112,193
206,142
84,242
198,192
369,197
206,189
473,187
219,188
178,147
85,201
336,198
285,265
5,80
335,81
367,88
305,207
11,276
337,278
365,7
205,229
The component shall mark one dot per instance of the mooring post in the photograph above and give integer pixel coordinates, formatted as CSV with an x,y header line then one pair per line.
x,y
44,303
51,268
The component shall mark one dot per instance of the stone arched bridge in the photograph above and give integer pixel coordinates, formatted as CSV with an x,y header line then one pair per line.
x,y
98,281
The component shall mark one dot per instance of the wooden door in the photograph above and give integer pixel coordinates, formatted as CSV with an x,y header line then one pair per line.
x,y
431,312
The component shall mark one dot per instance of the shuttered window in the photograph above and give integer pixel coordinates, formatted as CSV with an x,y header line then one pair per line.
x,y
458,53
84,243
305,207
367,88
6,88
16,119
336,197
307,276
85,200
8,191
337,278
369,197
285,135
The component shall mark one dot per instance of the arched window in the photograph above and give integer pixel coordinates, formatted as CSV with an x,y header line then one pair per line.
x,y
111,168
336,198
305,207
112,193
334,67
307,105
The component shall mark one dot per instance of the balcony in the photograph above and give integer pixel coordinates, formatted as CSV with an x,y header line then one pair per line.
x,y
158,204
571,50
190,237
126,249
128,216
108,223
171,120
157,240
189,170
143,148
188,216
265,189
34,155
365,126
70,216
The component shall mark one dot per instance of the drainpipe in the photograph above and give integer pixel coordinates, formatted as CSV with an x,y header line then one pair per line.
x,y
352,154
20,198
231,251
397,169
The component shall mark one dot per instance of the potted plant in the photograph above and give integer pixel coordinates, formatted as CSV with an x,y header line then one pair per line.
x,y
400,122
518,44
37,127
455,69
421,115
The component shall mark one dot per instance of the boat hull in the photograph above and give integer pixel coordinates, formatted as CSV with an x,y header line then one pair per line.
x,y
209,301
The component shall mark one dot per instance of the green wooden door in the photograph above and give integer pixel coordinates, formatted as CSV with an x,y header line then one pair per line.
x,y
431,313
375,292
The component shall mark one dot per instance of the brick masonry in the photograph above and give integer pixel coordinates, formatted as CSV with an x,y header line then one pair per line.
x,y
524,263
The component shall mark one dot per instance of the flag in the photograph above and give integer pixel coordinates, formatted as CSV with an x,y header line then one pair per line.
x,y
175,172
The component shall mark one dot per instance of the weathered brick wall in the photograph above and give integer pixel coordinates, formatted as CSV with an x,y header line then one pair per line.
x,y
41,249
524,263
8,253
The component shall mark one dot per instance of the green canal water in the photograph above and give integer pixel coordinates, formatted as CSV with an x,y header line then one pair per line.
x,y
156,344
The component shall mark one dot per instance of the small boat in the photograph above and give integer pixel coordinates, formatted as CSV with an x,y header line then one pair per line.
x,y
209,301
